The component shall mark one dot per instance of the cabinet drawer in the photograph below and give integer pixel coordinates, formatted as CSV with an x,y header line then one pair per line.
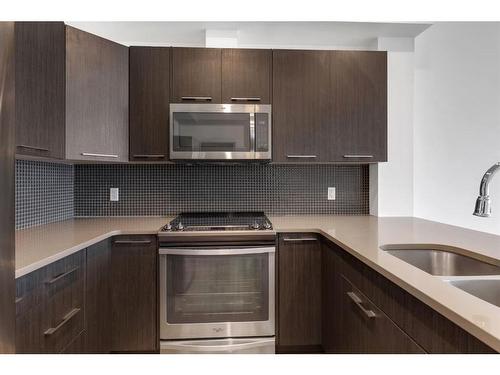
x,y
38,332
50,312
367,329
39,285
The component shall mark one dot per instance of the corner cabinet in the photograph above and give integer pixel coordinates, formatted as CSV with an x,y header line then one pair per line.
x,y
71,94
96,98
329,106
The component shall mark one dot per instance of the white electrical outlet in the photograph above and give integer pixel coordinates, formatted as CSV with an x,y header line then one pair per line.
x,y
114,194
331,193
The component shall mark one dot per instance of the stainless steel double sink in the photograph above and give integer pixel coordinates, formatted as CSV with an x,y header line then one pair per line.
x,y
439,262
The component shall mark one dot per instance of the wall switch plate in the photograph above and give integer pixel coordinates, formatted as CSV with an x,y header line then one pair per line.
x,y
331,193
114,194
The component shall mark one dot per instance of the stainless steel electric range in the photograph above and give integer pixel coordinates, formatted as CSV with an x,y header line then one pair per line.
x,y
217,283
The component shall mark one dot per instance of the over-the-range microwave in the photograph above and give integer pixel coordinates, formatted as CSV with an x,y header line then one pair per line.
x,y
225,132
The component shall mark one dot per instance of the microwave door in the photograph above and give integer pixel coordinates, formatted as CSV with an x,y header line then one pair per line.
x,y
214,132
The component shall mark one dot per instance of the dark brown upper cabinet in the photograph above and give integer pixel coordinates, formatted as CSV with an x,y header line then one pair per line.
x,y
40,89
149,75
246,76
301,111
196,75
359,92
329,106
96,98
71,94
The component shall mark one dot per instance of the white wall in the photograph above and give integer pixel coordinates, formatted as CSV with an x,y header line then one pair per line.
x,y
391,183
456,121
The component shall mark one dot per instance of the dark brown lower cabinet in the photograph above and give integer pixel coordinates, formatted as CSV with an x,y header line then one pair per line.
x,y
361,327
134,276
51,311
98,299
364,312
299,293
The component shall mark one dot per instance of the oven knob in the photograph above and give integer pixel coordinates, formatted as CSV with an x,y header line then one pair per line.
x,y
267,225
180,226
255,225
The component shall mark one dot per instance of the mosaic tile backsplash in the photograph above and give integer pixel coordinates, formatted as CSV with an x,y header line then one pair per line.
x,y
170,189
49,192
44,193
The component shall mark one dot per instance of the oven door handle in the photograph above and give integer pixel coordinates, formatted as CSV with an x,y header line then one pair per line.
x,y
193,251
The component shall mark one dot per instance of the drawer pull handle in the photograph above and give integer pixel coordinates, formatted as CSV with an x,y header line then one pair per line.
x,y
301,156
206,98
355,298
358,156
65,320
121,242
34,148
61,276
99,155
256,99
300,239
150,156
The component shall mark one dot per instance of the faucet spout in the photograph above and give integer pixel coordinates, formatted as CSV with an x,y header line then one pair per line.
x,y
483,202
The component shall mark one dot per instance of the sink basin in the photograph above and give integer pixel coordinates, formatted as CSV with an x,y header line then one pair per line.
x,y
442,262
487,290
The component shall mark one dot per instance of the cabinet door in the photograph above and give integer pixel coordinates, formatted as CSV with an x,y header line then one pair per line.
x,y
96,98
40,88
359,104
301,105
196,75
134,318
149,103
246,76
98,294
299,293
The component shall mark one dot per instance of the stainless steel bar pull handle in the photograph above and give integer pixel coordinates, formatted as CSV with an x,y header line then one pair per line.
x,y
33,148
206,98
301,156
299,239
255,99
65,320
358,156
61,276
148,156
133,242
355,298
99,155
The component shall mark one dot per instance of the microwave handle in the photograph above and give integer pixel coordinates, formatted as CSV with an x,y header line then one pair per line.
x,y
192,251
252,132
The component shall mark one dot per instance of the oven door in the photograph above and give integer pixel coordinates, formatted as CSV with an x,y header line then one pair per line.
x,y
216,292
219,132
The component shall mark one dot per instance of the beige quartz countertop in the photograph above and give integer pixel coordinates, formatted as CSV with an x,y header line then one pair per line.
x,y
361,236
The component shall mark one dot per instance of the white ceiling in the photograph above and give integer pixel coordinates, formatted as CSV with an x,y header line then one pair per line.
x,y
355,35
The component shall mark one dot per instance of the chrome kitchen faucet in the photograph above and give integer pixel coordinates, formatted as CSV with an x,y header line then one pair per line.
x,y
483,203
